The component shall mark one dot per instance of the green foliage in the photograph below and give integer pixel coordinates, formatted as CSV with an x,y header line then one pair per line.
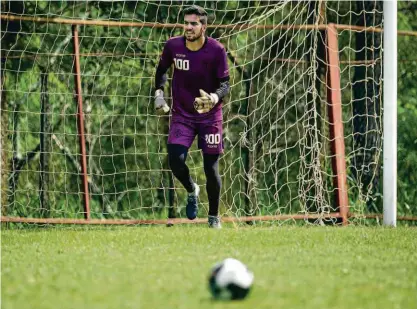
x,y
407,110
278,156
407,154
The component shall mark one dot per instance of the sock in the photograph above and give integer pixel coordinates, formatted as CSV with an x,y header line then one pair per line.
x,y
196,190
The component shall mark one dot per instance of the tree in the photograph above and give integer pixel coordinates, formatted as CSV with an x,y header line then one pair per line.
x,y
367,102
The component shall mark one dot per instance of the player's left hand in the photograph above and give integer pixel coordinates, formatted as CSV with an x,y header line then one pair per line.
x,y
205,102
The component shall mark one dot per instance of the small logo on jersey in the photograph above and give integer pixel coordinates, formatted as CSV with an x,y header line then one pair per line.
x,y
178,133
180,55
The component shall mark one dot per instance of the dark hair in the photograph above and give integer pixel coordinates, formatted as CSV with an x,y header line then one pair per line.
x,y
197,10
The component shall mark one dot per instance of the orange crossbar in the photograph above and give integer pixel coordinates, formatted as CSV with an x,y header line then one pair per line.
x,y
110,23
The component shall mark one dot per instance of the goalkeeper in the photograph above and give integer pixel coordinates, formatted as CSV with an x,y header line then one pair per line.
x,y
200,82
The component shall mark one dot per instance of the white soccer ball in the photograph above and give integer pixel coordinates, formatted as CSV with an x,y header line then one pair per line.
x,y
230,279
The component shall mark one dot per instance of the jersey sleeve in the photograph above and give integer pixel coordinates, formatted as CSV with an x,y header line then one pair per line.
x,y
164,63
222,66
166,57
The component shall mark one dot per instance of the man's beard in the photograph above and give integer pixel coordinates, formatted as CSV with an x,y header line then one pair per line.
x,y
194,38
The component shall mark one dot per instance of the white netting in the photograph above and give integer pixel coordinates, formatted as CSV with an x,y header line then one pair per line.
x,y
278,156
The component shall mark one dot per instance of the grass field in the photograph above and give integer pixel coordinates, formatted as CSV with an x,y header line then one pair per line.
x,y
159,267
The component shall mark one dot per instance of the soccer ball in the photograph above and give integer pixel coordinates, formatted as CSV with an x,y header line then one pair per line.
x,y
230,279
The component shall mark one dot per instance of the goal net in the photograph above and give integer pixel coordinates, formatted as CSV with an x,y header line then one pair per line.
x,y
284,156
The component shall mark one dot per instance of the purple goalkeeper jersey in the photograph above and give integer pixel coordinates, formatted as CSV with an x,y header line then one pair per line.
x,y
194,70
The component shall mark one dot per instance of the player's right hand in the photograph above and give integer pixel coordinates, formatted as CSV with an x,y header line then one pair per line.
x,y
161,105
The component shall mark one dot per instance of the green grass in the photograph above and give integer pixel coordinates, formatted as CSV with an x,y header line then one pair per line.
x,y
159,267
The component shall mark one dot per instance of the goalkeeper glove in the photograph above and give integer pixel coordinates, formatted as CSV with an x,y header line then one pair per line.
x,y
206,102
161,105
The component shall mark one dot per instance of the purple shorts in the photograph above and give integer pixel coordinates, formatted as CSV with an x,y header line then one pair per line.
x,y
210,134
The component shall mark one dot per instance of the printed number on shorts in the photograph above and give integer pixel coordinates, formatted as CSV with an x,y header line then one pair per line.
x,y
212,139
182,64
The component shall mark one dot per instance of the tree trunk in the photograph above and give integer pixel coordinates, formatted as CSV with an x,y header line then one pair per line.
x,y
367,97
314,107
3,146
167,178
251,151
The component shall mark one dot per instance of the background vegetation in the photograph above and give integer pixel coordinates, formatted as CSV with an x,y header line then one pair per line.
x,y
277,158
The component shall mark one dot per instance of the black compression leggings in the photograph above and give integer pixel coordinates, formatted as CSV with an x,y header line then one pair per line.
x,y
177,155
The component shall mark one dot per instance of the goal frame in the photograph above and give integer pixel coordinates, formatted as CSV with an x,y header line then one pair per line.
x,y
335,121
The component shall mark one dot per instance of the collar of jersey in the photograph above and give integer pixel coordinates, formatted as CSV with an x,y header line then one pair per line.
x,y
194,51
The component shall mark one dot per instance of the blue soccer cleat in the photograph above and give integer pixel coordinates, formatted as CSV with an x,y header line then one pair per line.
x,y
192,203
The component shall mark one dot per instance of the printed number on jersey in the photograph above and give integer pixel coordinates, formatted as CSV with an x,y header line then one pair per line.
x,y
182,64
212,139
